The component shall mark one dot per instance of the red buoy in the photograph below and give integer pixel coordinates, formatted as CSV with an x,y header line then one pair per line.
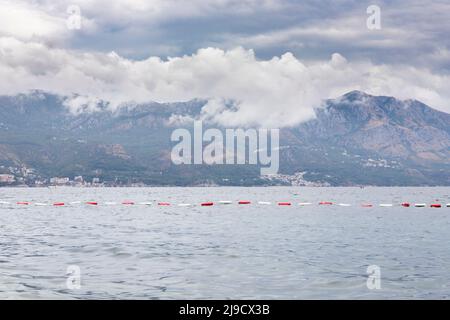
x,y
244,202
163,204
92,203
128,203
284,203
327,203
207,204
58,204
23,203
367,205
406,204
436,205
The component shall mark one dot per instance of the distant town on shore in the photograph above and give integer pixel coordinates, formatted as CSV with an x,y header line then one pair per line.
x,y
78,181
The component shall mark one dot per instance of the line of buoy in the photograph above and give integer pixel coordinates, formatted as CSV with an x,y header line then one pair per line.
x,y
224,202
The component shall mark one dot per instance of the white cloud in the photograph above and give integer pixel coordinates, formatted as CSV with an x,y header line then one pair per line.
x,y
131,13
278,92
25,21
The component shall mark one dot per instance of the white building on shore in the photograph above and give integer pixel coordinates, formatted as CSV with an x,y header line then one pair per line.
x,y
7,178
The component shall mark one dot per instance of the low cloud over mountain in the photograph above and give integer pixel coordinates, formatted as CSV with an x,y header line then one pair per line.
x,y
356,139
278,92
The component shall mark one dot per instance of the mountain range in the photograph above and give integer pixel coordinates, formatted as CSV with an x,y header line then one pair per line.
x,y
356,139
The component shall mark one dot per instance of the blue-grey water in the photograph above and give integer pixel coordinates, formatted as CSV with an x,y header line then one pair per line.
x,y
224,251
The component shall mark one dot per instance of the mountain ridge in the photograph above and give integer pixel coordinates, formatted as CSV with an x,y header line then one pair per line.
x,y
356,139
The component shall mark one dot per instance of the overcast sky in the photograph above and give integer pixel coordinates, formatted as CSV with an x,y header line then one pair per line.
x,y
267,58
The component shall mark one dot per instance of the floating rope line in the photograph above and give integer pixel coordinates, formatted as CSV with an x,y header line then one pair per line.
x,y
221,202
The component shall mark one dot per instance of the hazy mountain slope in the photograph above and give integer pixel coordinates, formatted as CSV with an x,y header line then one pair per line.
x,y
356,139
363,139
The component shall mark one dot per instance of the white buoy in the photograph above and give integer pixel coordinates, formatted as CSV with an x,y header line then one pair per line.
x,y
266,203
225,202
305,204
386,205
110,203
448,205
146,203
344,204
184,205
40,204
5,202
75,202
420,205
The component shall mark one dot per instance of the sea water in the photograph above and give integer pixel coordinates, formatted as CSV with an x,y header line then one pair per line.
x,y
224,251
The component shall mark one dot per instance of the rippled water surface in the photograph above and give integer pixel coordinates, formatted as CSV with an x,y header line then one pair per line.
x,y
224,251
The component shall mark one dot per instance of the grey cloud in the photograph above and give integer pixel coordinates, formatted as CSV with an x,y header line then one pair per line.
x,y
414,31
304,52
280,91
